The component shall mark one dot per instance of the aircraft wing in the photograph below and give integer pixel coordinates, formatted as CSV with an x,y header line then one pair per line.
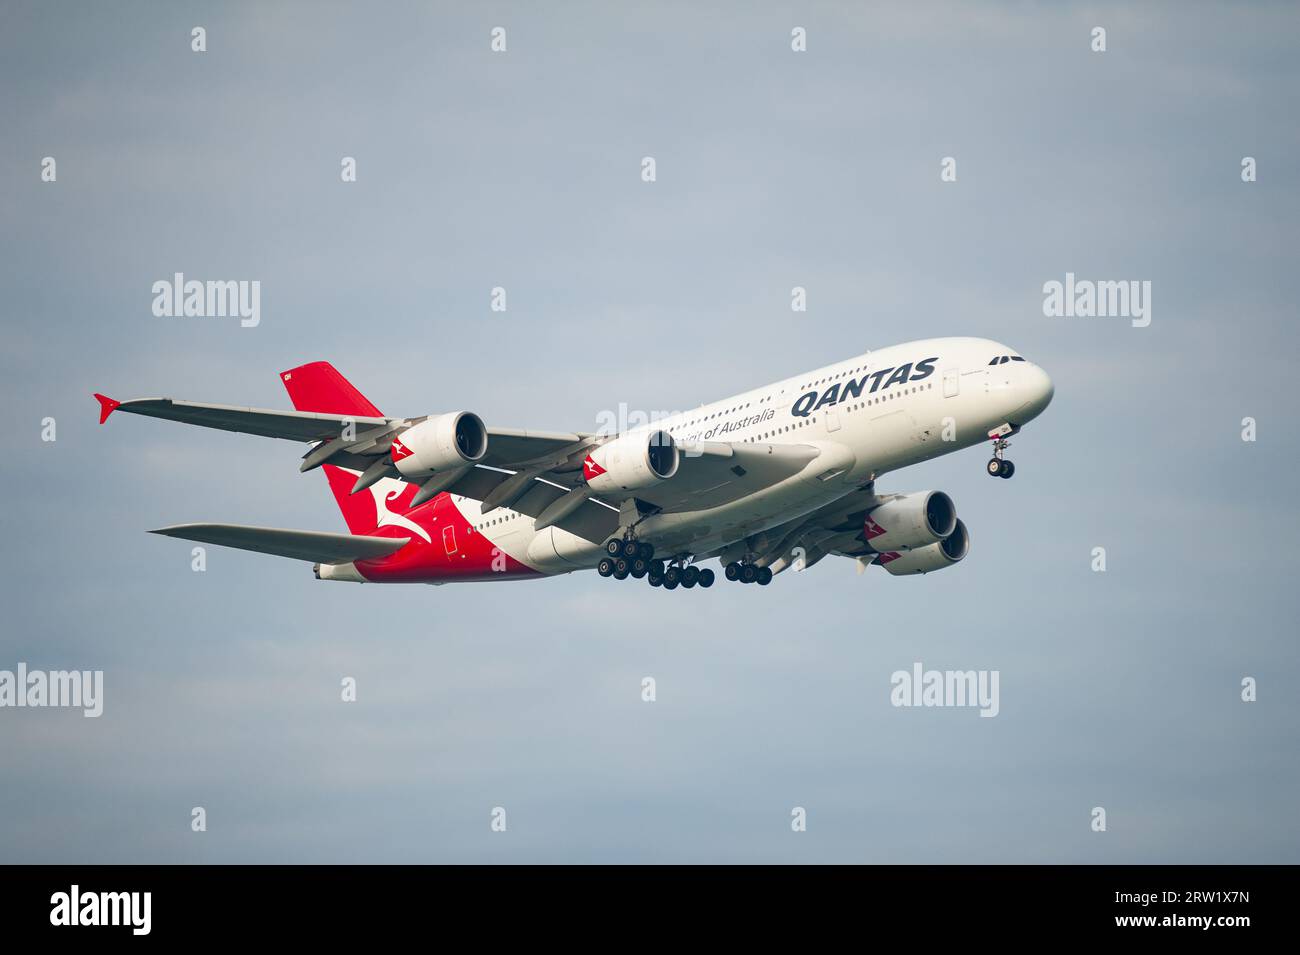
x,y
506,446
290,425
300,545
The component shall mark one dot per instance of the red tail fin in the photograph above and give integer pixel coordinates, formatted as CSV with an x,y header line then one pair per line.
x,y
319,387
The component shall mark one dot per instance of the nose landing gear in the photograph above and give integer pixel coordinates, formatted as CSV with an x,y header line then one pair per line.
x,y
998,466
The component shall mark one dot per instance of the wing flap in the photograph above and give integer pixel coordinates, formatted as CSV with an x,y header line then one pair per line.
x,y
315,546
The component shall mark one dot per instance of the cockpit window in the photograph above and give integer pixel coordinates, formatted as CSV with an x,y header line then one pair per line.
x,y
994,361
1016,358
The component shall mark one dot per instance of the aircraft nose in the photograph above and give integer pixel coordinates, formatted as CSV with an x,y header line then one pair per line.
x,y
1038,390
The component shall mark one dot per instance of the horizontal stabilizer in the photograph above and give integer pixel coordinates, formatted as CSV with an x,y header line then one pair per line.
x,y
300,545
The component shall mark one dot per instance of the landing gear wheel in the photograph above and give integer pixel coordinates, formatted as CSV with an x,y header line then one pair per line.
x,y
656,580
620,575
646,551
631,548
614,547
690,576
621,568
748,573
706,578
639,567
1008,469
732,571
605,567
657,568
672,577
764,576
995,467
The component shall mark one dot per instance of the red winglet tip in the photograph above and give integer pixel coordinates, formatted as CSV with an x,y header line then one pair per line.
x,y
106,407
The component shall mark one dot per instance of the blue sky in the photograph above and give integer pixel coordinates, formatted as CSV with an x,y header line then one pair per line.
x,y
775,169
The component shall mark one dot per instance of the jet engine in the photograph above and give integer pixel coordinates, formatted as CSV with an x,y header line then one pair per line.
x,y
910,521
936,556
454,440
632,462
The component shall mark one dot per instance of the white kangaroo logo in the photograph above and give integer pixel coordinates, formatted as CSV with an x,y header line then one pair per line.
x,y
384,492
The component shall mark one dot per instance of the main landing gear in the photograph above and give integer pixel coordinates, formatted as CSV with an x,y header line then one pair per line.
x,y
626,558
677,574
748,573
631,558
999,466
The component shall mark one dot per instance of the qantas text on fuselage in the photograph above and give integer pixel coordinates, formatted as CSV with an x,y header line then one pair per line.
x,y
780,476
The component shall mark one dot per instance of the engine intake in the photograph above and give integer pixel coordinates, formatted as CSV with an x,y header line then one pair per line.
x,y
632,462
446,441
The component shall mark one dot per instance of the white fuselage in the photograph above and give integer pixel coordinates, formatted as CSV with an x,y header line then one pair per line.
x,y
876,412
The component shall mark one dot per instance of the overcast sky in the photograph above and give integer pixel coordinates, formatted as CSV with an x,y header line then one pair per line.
x,y
775,169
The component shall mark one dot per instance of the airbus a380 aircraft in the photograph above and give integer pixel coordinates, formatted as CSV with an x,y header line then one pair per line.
x,y
780,476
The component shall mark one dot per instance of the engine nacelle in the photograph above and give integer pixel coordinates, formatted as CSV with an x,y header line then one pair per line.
x,y
453,440
922,560
632,462
910,521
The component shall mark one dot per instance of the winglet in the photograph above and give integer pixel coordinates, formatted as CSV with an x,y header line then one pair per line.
x,y
106,407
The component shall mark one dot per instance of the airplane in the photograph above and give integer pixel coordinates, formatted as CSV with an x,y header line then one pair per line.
x,y
778,477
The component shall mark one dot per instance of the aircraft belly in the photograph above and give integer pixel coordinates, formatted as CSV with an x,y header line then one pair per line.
x,y
554,551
